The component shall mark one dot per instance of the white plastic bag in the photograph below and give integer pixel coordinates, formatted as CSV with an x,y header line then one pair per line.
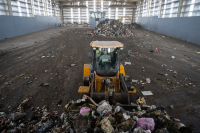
x,y
104,106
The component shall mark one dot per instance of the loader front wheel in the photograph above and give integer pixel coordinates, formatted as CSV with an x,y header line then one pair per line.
x,y
86,83
132,98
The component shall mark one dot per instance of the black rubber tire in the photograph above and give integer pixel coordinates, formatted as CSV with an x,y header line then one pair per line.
x,y
132,98
81,96
86,83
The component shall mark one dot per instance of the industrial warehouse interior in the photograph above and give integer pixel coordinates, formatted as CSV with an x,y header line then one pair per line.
x,y
95,66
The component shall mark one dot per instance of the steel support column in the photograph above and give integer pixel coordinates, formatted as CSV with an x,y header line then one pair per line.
x,y
80,17
61,14
32,8
160,9
9,7
180,8
140,11
45,7
148,2
54,13
133,15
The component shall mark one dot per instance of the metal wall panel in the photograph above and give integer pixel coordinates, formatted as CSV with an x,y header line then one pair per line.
x,y
185,28
11,26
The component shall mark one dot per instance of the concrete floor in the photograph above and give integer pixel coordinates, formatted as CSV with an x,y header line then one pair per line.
x,y
22,55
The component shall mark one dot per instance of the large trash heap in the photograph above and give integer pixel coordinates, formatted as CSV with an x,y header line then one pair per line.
x,y
84,115
114,28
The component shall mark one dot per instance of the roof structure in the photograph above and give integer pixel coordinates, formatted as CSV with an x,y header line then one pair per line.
x,y
106,44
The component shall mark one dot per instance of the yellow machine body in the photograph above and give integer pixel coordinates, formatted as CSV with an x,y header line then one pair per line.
x,y
98,79
86,70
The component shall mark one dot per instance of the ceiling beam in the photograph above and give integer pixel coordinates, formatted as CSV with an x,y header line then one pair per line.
x,y
122,6
113,1
74,6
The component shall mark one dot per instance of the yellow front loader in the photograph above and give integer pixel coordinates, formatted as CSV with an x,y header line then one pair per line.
x,y
127,17
104,78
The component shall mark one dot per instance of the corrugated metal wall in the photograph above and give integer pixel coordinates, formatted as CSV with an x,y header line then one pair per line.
x,y
185,28
11,26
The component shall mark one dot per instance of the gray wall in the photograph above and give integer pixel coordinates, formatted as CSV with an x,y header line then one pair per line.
x,y
185,28
11,26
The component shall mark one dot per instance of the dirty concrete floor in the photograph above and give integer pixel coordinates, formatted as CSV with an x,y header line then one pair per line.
x,y
22,69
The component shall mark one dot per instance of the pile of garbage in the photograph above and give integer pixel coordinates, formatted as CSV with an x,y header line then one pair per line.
x,y
84,115
114,28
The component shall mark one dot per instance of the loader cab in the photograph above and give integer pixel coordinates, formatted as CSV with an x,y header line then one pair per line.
x,y
105,57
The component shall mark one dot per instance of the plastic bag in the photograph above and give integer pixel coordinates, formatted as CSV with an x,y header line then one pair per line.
x,y
148,80
104,106
146,123
125,116
84,110
117,109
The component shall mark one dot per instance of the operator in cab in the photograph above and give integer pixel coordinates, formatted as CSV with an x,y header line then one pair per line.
x,y
105,57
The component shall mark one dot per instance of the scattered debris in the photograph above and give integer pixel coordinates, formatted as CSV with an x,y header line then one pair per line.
x,y
127,63
171,107
73,64
134,81
173,57
146,93
45,84
148,80
17,115
83,116
141,101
